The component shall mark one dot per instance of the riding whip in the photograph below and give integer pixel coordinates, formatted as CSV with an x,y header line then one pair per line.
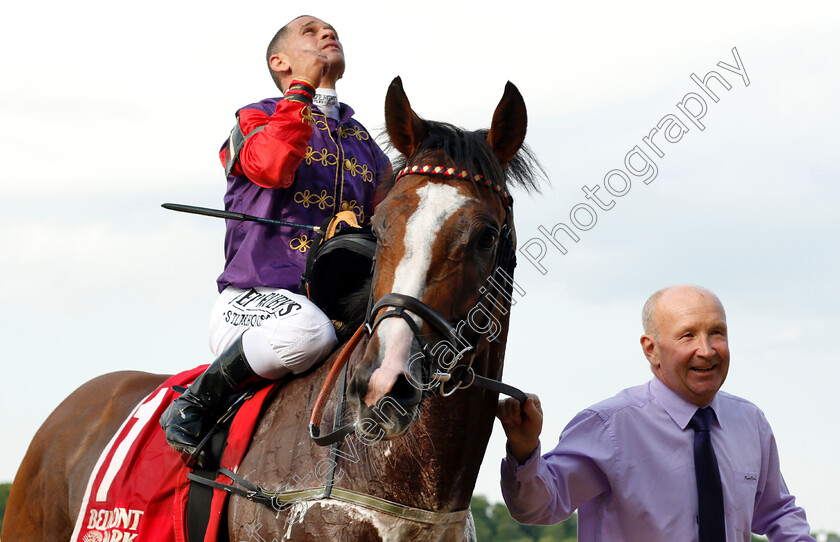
x,y
234,216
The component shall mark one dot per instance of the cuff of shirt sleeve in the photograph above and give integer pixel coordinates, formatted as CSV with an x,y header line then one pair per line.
x,y
525,469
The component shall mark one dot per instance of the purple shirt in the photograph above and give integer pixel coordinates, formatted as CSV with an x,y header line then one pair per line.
x,y
340,171
627,466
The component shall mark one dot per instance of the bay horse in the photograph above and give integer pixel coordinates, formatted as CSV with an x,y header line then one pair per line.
x,y
422,387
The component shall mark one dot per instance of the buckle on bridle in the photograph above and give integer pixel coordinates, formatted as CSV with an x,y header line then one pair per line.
x,y
460,381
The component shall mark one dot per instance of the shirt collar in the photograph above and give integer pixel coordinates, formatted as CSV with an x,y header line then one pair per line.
x,y
345,113
677,408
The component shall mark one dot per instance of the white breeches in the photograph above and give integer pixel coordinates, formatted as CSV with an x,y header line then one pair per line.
x,y
281,331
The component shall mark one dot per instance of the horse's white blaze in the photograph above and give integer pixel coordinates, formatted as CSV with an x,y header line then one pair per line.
x,y
437,203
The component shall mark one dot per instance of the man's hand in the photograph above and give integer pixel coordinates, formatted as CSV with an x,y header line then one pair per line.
x,y
522,425
309,64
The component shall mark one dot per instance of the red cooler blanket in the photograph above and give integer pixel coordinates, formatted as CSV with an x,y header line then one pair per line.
x,y
138,488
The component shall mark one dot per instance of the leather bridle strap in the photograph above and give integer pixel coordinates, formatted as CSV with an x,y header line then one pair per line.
x,y
494,385
426,313
338,371
400,301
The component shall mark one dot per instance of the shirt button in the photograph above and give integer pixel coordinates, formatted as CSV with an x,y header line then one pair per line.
x,y
344,206
347,164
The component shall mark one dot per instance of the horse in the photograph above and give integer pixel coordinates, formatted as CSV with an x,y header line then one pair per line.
x,y
415,400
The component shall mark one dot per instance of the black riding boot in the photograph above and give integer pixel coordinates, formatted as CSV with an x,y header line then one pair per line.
x,y
187,418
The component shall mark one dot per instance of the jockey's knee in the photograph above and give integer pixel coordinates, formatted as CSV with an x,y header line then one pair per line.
x,y
310,348
275,354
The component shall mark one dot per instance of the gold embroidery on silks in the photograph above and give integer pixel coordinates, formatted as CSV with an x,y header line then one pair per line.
x,y
342,164
353,166
306,115
322,157
301,244
354,206
320,122
353,131
307,198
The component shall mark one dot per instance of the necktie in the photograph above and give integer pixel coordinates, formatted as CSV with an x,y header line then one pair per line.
x,y
709,492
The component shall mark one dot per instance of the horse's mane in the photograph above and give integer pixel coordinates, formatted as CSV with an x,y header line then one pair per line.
x,y
462,149
469,150
352,311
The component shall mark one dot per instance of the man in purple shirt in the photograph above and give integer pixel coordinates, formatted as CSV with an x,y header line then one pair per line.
x,y
627,463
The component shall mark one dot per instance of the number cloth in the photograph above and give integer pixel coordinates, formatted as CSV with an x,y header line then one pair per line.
x,y
138,488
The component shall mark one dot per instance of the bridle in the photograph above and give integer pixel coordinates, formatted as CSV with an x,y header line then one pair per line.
x,y
454,375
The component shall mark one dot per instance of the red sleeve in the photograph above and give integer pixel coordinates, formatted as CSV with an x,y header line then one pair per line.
x,y
271,156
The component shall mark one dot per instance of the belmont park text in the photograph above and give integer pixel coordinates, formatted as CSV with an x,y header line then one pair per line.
x,y
639,163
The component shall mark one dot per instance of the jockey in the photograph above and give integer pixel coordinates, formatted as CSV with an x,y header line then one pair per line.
x,y
299,158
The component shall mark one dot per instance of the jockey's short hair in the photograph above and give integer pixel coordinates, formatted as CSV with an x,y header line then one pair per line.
x,y
276,46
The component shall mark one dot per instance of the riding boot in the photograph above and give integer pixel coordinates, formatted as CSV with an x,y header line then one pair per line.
x,y
189,416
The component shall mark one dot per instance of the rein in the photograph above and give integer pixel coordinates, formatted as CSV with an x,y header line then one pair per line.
x,y
339,368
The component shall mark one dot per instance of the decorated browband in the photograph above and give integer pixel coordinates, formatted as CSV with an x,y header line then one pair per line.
x,y
458,174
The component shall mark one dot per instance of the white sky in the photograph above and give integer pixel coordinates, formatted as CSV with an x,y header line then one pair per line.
x,y
111,109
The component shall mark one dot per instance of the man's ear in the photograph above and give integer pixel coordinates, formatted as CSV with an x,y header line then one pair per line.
x,y
649,348
279,62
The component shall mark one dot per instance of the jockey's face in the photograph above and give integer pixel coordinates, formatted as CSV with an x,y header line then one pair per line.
x,y
312,34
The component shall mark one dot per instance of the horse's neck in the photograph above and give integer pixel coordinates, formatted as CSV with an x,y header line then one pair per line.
x,y
435,465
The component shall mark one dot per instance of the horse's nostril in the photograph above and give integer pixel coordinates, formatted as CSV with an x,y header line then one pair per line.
x,y
404,393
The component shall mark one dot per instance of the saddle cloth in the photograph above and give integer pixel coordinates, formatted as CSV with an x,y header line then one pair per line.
x,y
138,489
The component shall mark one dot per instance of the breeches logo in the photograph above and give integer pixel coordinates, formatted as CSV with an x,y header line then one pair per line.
x,y
252,307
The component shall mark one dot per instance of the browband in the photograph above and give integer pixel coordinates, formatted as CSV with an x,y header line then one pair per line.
x,y
458,174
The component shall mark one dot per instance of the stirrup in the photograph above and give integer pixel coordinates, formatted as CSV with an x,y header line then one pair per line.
x,y
202,455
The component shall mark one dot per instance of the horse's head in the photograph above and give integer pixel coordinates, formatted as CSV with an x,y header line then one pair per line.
x,y
443,229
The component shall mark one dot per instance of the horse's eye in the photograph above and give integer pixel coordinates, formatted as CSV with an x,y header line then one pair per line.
x,y
487,239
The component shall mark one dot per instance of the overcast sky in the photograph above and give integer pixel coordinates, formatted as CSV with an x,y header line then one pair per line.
x,y
110,109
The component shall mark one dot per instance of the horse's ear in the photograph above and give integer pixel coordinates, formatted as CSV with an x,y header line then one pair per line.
x,y
404,127
510,122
